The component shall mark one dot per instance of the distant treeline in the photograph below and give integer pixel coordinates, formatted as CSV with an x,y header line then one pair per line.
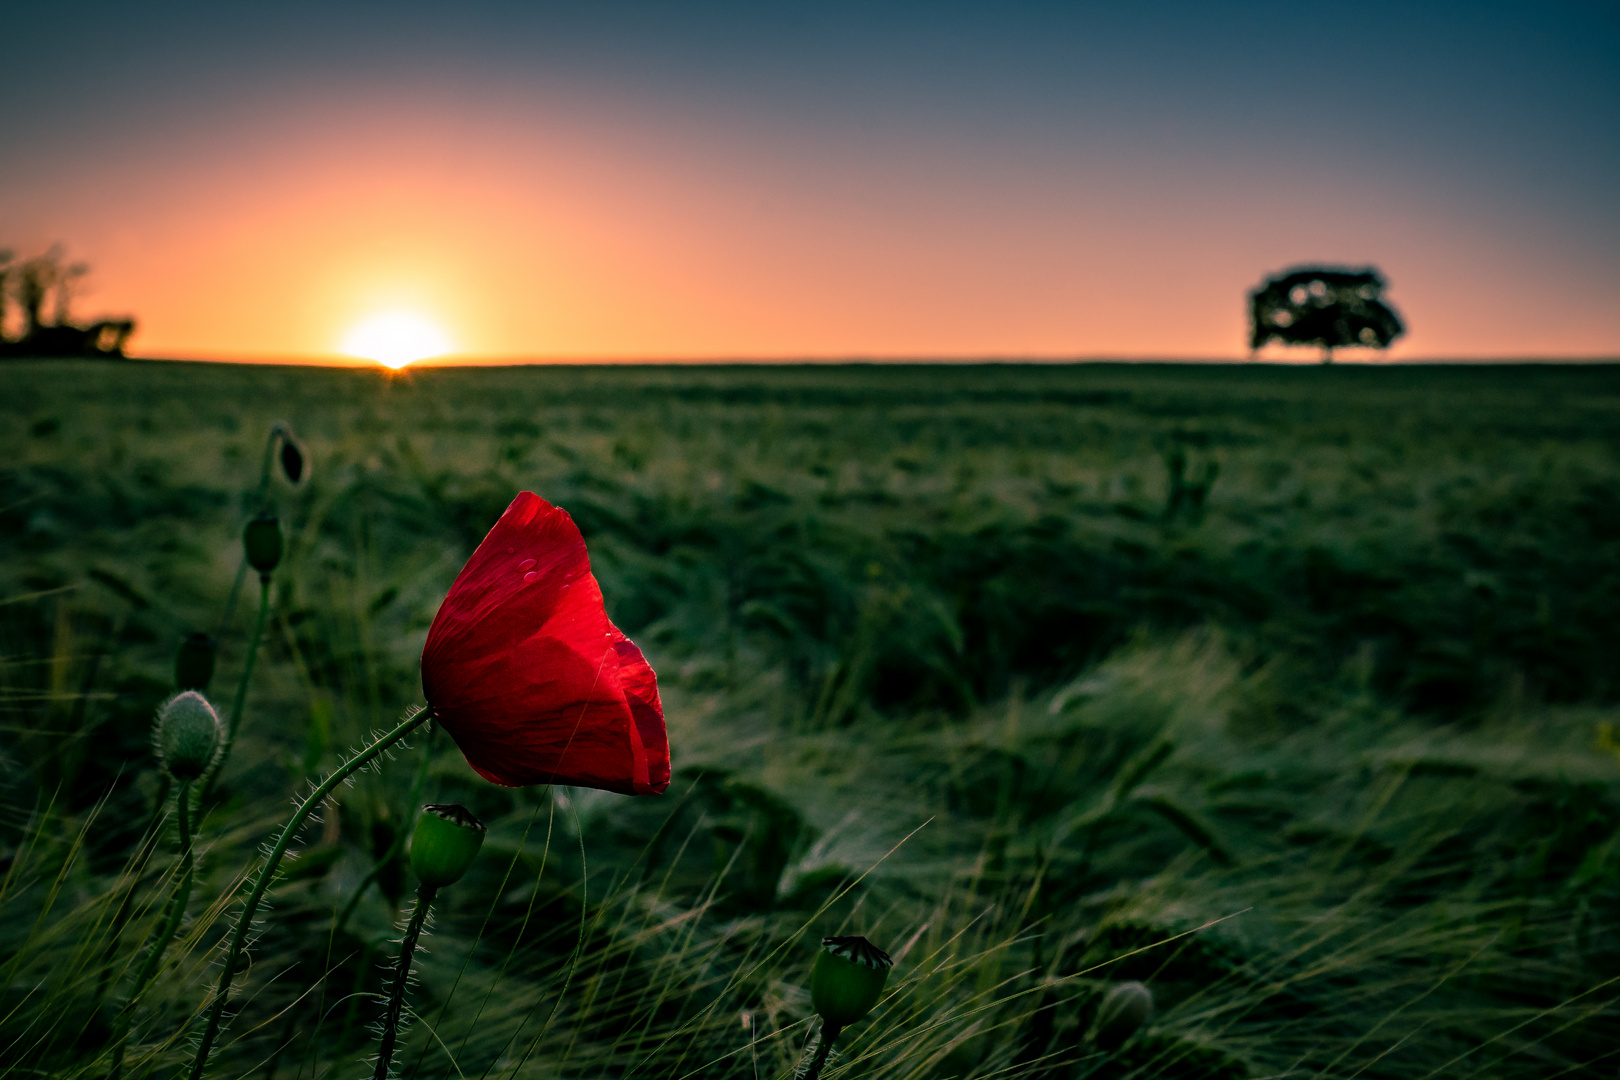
x,y
42,290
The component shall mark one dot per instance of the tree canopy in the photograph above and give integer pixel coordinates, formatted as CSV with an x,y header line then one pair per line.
x,y
1332,307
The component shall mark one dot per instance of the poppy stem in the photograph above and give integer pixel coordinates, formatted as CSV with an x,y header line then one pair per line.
x,y
395,848
240,703
126,907
259,502
264,465
177,903
402,976
165,934
829,1032
230,601
244,921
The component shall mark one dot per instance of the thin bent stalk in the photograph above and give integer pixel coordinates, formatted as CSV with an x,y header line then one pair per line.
x,y
171,923
126,906
244,921
393,849
240,703
260,496
177,902
230,601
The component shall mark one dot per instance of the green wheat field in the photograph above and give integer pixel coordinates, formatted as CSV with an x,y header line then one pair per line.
x,y
1291,692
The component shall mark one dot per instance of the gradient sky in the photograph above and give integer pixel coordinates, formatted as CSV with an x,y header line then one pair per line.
x,y
816,180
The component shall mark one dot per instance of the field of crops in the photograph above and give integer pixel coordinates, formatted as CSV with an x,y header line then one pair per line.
x,y
1287,692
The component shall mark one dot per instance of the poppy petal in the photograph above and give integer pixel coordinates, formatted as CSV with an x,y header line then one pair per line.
x,y
526,672
641,693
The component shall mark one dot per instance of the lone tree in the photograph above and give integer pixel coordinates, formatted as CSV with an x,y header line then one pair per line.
x,y
43,290
1323,305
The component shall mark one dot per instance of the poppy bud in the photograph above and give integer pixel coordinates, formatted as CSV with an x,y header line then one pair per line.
x,y
194,663
292,460
262,541
446,841
847,978
188,735
1124,1010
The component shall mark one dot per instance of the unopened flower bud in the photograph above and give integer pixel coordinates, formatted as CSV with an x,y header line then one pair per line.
x,y
1125,1009
847,978
446,841
262,541
194,663
292,460
187,736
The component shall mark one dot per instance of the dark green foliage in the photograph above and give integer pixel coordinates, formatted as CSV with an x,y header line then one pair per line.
x,y
723,834
1188,493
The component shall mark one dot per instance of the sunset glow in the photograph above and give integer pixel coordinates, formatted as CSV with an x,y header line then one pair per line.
x,y
396,338
1053,183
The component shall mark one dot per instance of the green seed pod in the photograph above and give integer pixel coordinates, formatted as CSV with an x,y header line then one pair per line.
x,y
847,978
446,841
187,735
194,663
1125,1009
262,540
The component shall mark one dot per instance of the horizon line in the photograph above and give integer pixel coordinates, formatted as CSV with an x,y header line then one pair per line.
x,y
1303,359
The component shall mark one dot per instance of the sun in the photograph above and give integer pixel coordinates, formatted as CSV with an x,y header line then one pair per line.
x,y
396,338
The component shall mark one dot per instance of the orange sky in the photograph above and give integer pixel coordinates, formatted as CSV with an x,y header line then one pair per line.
x,y
536,224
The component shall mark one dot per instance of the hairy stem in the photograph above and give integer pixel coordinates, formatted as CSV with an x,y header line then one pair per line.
x,y
402,976
244,921
393,849
829,1032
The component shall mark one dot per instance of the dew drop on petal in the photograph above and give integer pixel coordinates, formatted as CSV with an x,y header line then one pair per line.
x,y
530,576
526,564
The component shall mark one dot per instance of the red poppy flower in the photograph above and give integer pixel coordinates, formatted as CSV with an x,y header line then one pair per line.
x,y
528,675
